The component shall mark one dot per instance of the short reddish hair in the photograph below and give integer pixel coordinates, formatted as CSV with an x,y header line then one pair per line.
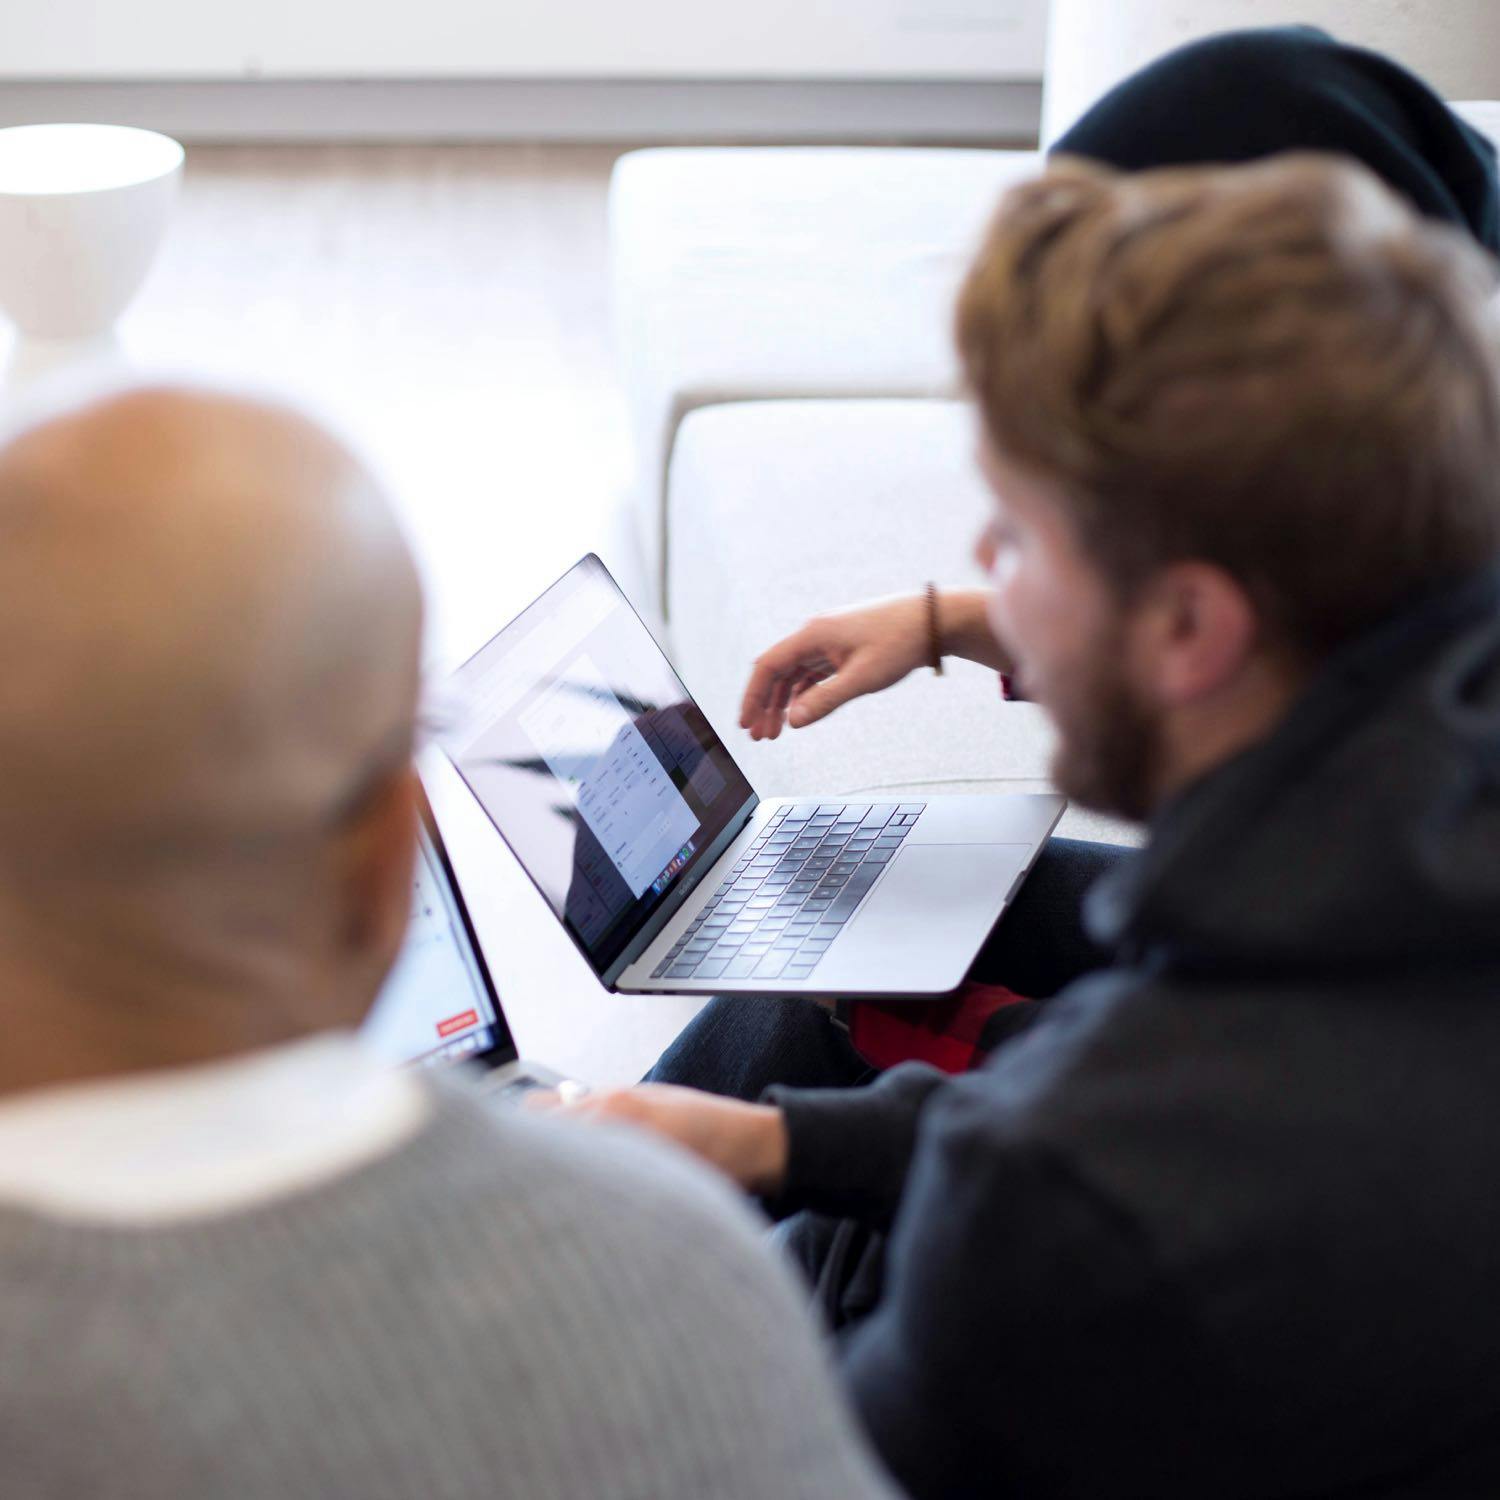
x,y
1276,368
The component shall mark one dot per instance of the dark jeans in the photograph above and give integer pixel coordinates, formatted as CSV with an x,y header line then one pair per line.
x,y
740,1046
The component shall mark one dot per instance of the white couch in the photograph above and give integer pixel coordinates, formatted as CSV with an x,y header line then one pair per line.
x,y
783,323
755,274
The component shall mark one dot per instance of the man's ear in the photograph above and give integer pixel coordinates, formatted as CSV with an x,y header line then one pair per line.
x,y
1197,629
377,861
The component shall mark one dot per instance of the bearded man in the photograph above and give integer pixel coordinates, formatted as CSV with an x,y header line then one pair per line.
x,y
1221,1220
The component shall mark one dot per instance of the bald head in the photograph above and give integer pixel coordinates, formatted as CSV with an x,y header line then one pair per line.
x,y
208,622
209,644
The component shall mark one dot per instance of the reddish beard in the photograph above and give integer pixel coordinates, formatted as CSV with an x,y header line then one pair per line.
x,y
1108,754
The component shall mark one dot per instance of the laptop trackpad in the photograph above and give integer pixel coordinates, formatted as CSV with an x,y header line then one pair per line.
x,y
923,923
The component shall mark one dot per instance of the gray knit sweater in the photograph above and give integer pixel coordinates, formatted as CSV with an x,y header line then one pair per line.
x,y
503,1306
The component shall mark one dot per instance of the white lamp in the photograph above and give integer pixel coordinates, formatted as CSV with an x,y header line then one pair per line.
x,y
83,209
1093,44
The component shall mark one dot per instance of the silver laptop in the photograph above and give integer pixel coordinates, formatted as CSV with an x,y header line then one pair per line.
x,y
668,872
439,1006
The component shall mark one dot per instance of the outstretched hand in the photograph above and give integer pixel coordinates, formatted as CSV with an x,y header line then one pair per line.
x,y
831,660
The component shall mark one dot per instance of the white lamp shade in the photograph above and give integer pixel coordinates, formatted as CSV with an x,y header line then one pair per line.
x,y
1094,44
83,209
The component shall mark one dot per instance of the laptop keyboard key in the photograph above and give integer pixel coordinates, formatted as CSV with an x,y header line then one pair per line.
x,y
853,894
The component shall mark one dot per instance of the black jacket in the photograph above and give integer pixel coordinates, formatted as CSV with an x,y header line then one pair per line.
x,y
1226,1220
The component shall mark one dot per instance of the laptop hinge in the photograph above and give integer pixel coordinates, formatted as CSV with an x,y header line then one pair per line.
x,y
669,909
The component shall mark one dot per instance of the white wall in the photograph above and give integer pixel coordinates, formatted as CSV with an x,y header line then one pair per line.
x,y
711,39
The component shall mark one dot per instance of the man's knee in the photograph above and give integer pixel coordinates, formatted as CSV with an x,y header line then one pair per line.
x,y
739,1045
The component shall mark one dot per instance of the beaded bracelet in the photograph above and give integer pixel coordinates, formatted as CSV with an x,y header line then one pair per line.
x,y
934,635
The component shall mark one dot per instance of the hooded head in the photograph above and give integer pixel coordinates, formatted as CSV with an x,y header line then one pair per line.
x,y
1249,94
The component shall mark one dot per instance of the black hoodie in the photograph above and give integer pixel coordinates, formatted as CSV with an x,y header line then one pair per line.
x,y
1244,95
1226,1220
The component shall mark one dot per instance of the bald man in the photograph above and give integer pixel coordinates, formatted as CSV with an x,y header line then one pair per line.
x,y
238,1257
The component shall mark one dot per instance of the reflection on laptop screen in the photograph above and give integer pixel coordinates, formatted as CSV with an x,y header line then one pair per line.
x,y
435,1006
588,754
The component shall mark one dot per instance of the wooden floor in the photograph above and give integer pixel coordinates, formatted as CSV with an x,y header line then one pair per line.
x,y
447,308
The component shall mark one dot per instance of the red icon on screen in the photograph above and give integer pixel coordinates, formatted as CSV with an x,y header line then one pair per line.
x,y
460,1022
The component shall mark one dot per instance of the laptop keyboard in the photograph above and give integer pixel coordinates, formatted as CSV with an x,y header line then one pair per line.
x,y
790,893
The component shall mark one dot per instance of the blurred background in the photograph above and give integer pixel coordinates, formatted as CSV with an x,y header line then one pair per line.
x,y
566,70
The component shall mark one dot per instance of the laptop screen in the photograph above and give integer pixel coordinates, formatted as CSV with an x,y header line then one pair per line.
x,y
438,1004
588,754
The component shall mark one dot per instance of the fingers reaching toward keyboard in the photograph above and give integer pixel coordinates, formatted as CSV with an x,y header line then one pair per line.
x,y
832,660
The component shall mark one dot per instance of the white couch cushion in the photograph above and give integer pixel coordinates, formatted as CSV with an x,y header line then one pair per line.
x,y
782,509
786,272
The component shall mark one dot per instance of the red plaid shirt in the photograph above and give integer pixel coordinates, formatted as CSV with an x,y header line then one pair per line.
x,y
954,1034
